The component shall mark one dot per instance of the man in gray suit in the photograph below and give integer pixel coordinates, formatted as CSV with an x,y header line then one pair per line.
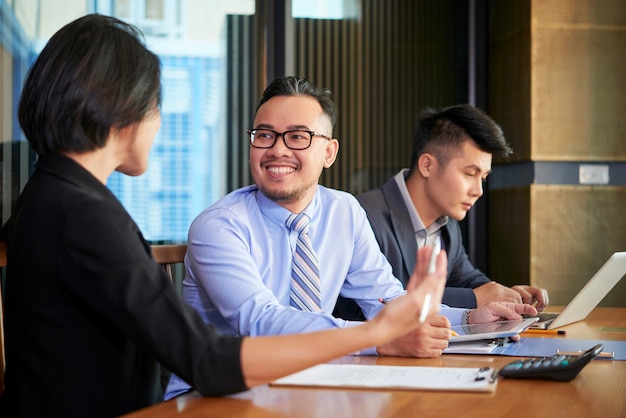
x,y
452,153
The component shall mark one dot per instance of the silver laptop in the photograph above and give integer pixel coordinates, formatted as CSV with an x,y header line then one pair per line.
x,y
589,296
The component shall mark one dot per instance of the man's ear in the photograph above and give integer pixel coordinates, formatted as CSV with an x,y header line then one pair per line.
x,y
425,164
332,149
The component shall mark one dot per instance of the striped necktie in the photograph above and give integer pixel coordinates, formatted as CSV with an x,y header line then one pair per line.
x,y
305,274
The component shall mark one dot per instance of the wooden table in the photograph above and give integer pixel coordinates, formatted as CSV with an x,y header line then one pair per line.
x,y
598,391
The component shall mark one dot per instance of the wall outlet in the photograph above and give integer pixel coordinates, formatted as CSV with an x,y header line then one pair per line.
x,y
593,174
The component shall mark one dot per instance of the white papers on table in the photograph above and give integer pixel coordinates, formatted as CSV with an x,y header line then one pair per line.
x,y
394,377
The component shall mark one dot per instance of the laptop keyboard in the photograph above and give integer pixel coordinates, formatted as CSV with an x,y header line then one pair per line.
x,y
547,316
545,319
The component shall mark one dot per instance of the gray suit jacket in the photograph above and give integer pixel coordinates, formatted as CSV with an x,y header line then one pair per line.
x,y
394,232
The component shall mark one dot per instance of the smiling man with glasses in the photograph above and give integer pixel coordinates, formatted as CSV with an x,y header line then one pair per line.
x,y
272,258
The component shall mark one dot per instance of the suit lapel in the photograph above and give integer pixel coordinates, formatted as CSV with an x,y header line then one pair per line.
x,y
400,219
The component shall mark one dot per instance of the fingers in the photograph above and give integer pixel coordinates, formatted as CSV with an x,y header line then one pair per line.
x,y
533,295
495,292
424,292
523,309
542,299
514,310
497,311
526,296
439,321
433,349
507,311
433,284
438,336
517,296
427,340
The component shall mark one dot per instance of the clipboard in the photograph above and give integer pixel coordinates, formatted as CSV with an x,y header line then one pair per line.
x,y
359,376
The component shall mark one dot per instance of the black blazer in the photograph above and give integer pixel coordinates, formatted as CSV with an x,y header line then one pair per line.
x,y
89,315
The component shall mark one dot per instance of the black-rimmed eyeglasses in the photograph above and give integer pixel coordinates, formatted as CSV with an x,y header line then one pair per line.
x,y
296,139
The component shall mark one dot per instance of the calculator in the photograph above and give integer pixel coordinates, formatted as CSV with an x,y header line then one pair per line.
x,y
559,367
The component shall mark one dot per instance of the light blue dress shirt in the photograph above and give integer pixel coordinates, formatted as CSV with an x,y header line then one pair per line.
x,y
238,266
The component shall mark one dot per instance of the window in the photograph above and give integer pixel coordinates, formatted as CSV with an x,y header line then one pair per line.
x,y
325,9
188,36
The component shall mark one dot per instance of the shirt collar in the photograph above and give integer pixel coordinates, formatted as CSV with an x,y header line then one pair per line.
x,y
278,214
418,225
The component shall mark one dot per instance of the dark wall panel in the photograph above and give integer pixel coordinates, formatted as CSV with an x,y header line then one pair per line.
x,y
383,68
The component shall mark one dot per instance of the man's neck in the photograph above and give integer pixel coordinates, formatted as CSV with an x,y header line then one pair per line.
x,y
298,204
415,187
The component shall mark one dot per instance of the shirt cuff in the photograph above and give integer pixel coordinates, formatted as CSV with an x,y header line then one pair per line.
x,y
455,315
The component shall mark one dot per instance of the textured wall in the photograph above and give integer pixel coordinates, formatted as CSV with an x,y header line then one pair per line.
x,y
578,78
383,68
557,237
557,87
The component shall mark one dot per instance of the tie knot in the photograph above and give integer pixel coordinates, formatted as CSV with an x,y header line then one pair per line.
x,y
298,222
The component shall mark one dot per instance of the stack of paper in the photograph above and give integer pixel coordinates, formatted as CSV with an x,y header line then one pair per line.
x,y
395,377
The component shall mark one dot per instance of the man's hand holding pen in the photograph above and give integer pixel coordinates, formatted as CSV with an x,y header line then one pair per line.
x,y
431,335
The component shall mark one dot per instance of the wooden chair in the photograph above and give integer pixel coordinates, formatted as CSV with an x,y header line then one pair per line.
x,y
167,255
3,263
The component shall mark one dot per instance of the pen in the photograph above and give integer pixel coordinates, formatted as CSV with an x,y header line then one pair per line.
x,y
545,331
603,354
454,333
424,311
432,265
426,308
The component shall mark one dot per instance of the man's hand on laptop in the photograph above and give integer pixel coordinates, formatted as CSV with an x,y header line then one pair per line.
x,y
533,296
495,292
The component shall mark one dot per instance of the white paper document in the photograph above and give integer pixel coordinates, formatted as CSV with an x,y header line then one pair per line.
x,y
394,377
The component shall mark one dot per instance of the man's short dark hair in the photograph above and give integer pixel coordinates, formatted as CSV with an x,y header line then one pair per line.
x,y
299,86
441,130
